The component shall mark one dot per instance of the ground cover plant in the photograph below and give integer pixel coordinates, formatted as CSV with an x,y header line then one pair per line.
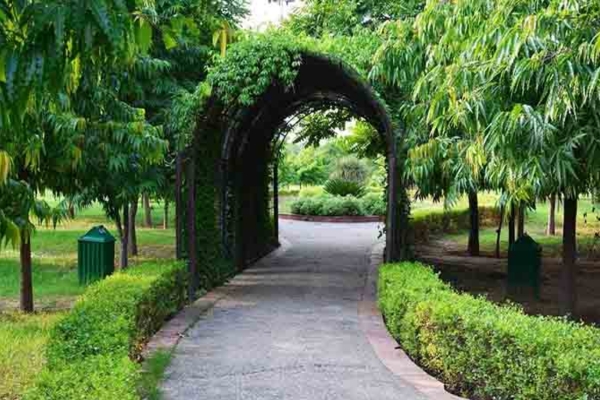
x,y
484,350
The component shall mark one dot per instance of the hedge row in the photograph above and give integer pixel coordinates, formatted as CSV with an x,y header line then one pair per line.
x,y
92,352
426,224
484,350
334,206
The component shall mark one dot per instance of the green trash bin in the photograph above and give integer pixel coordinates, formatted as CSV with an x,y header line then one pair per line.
x,y
96,255
524,268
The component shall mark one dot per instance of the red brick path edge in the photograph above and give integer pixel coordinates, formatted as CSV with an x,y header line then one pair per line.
x,y
384,345
344,219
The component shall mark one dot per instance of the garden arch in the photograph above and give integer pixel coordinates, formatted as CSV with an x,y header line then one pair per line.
x,y
227,179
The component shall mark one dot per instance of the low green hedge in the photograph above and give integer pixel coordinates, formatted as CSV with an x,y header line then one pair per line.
x,y
485,350
104,333
335,206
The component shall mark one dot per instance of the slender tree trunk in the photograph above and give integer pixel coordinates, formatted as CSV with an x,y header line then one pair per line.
x,y
179,206
473,247
568,292
166,215
26,274
147,211
511,226
133,245
125,238
71,210
551,231
521,225
499,231
191,230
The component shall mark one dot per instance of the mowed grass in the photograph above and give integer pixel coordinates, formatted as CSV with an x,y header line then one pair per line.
x,y
22,342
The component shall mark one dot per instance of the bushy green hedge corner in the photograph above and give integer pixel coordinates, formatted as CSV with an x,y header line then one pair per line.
x,y
92,352
97,377
485,350
117,315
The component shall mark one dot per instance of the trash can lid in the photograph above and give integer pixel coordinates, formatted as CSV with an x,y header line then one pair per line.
x,y
98,234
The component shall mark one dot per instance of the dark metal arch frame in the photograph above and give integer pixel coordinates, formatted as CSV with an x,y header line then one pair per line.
x,y
321,80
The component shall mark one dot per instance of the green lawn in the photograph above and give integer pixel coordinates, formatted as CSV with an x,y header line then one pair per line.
x,y
22,342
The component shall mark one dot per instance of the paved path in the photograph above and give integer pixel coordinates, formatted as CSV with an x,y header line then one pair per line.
x,y
288,328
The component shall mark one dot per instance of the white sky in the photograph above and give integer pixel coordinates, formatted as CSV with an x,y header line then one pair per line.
x,y
263,13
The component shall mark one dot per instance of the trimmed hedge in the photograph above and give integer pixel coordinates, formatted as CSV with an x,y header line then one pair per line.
x,y
336,206
97,344
485,350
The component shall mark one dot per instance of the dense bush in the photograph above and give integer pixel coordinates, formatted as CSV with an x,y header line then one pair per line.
x,y
374,204
485,350
103,335
341,187
339,206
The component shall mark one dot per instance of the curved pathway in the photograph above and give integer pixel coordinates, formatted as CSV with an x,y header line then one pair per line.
x,y
288,328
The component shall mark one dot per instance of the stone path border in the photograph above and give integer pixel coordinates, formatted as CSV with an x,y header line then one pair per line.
x,y
167,338
348,219
384,345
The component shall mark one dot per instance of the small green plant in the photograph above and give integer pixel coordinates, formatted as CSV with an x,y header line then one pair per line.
x,y
153,374
341,187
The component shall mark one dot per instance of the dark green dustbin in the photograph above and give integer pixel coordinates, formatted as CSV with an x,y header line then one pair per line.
x,y
524,267
96,255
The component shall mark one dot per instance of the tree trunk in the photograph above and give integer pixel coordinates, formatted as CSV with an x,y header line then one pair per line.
x,y
551,231
499,231
125,238
179,206
133,246
194,282
473,247
147,211
26,274
521,226
71,211
568,292
511,226
166,215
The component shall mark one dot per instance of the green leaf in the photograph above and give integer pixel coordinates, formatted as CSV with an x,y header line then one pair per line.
x,y
144,36
169,40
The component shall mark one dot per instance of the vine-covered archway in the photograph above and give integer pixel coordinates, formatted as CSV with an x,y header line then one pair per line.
x,y
224,196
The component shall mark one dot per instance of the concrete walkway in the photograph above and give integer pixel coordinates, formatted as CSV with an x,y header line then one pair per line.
x,y
288,327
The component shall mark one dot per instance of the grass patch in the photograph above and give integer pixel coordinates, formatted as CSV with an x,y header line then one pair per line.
x,y
153,374
22,342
